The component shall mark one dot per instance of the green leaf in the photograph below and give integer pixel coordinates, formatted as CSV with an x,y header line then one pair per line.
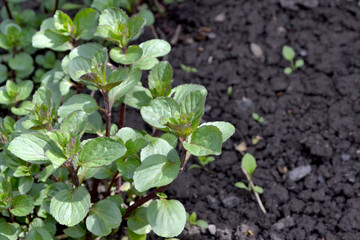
x,y
258,189
134,24
167,218
51,39
127,167
202,223
23,109
78,67
86,22
22,171
288,53
288,71
82,102
103,216
159,146
180,92
24,90
248,162
123,88
70,207
194,103
241,185
45,173
63,22
131,55
22,61
162,107
192,218
32,147
95,123
22,205
137,221
226,129
138,97
38,233
148,16
155,171
160,79
75,123
151,50
205,140
170,138
9,231
3,73
134,236
100,152
111,16
299,63
75,232
25,184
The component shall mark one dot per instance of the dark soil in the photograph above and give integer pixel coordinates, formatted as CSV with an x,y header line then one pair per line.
x,y
312,116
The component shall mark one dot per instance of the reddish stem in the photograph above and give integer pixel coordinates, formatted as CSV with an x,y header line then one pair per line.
x,y
111,184
8,9
122,115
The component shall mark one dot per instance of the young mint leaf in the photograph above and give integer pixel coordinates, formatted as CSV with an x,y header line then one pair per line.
x,y
159,146
137,222
79,66
3,73
167,218
138,97
51,39
111,16
299,63
205,140
248,162
127,167
22,61
148,16
70,207
155,171
134,24
22,205
103,217
74,124
288,53
151,50
82,102
158,109
75,232
226,129
9,231
38,233
134,236
25,184
63,22
170,138
194,103
32,147
180,92
288,71
85,23
160,79
131,55
100,152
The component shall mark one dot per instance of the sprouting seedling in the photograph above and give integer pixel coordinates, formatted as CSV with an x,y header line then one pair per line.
x,y
188,69
229,90
257,118
248,166
204,160
289,54
192,220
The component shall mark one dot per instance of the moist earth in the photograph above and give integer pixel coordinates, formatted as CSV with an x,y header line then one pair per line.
x,y
308,155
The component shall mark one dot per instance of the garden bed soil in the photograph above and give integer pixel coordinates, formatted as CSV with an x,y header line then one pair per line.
x,y
312,117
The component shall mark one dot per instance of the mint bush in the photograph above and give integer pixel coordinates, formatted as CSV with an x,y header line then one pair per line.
x,y
54,157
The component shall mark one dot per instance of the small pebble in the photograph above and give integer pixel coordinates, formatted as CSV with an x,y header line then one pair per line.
x,y
220,17
212,35
212,229
345,157
231,202
299,173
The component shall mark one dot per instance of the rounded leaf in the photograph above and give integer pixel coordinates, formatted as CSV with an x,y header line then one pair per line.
x,y
288,53
137,222
167,218
226,129
132,54
22,205
103,216
100,152
70,207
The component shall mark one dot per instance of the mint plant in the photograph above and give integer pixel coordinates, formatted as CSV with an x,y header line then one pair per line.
x,y
257,118
55,156
289,54
248,166
188,69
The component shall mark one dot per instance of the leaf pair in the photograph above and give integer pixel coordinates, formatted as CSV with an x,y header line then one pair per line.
x,y
12,93
60,32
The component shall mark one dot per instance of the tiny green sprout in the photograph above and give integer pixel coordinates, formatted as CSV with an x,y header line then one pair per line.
x,y
188,69
192,220
204,160
289,54
257,118
229,90
161,195
248,166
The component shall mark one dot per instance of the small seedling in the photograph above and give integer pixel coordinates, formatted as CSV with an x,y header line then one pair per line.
x,y
258,118
248,166
229,91
204,160
191,219
289,54
188,69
